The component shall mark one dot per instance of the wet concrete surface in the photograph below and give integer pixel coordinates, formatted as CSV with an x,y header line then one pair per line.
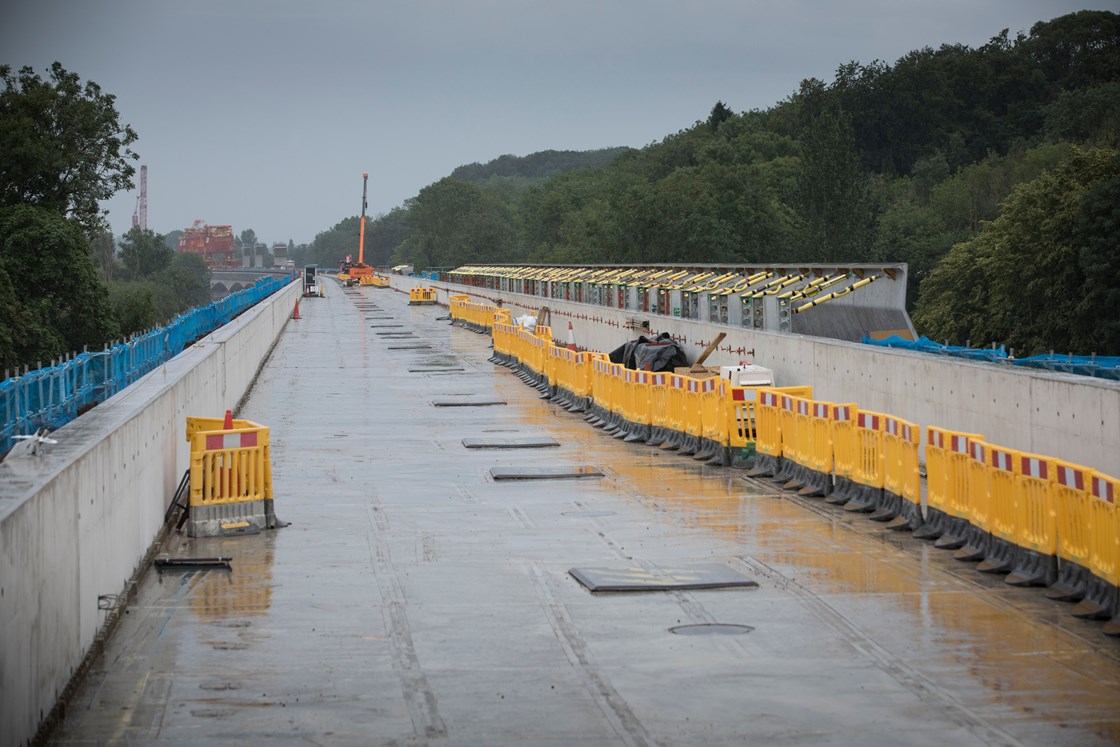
x,y
414,600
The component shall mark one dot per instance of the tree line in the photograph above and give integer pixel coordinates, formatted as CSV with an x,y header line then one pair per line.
x,y
65,282
989,170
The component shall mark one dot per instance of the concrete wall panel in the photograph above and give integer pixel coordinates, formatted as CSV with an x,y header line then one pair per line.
x,y
1072,417
77,519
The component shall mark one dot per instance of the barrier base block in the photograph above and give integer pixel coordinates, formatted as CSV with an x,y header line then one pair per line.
x,y
863,499
227,519
977,545
817,485
842,491
1000,558
743,458
1032,568
1100,602
638,433
909,516
1071,584
887,507
765,465
953,538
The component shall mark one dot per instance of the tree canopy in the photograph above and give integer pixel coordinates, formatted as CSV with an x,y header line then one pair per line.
x,y
884,163
64,148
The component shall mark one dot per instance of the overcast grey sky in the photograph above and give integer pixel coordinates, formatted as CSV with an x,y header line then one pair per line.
x,y
264,113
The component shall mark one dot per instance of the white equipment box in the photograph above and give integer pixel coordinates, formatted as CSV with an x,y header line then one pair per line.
x,y
747,375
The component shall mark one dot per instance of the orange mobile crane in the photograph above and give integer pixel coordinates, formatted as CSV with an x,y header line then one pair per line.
x,y
359,272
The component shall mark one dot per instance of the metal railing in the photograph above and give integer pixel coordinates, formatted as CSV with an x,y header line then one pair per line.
x,y
52,396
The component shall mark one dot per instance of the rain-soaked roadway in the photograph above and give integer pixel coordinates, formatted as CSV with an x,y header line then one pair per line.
x,y
415,600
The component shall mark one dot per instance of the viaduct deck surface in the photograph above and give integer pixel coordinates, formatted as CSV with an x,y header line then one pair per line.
x,y
415,600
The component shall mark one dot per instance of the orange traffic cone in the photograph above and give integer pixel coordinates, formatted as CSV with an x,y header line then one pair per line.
x,y
571,338
228,424
295,312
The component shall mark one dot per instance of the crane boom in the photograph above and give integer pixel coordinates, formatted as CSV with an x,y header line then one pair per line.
x,y
362,229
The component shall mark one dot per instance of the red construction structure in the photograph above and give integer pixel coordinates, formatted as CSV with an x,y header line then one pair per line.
x,y
213,243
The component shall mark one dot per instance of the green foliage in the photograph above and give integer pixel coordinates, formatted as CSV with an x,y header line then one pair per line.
x,y
891,163
143,253
456,223
833,191
1041,276
64,147
103,252
536,166
47,262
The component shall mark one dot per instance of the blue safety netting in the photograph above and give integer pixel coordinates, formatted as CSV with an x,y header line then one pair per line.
x,y
53,396
925,345
1104,367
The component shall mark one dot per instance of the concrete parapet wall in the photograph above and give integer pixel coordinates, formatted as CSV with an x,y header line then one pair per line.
x,y
1076,418
77,518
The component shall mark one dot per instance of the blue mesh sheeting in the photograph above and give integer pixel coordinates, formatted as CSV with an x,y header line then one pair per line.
x,y
1101,366
51,397
925,345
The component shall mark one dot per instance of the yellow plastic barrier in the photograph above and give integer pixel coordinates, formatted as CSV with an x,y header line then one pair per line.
x,y
421,295
947,486
901,482
845,448
1003,505
741,430
1072,502
691,424
710,417
1104,548
1036,526
864,486
659,408
230,478
677,387
869,435
1074,506
768,423
228,466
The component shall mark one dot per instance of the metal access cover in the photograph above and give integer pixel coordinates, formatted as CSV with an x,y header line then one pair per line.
x,y
467,402
711,629
381,326
544,473
436,369
630,577
409,347
510,443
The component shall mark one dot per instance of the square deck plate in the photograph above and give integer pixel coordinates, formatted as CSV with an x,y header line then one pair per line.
x,y
632,577
544,473
467,402
534,442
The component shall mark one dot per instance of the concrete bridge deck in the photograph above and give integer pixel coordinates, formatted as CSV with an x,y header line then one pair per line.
x,y
415,600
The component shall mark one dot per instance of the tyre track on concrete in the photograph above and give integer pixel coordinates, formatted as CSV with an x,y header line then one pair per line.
x,y
612,705
925,689
419,697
